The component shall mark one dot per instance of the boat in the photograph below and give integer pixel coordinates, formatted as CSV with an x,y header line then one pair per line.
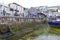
x,y
54,22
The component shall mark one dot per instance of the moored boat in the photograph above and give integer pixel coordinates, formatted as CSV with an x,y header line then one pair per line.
x,y
54,23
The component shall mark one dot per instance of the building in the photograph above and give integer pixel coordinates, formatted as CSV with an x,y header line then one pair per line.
x,y
26,12
1,10
5,11
32,12
19,10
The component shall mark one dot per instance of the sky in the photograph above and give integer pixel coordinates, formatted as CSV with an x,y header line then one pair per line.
x,y
32,3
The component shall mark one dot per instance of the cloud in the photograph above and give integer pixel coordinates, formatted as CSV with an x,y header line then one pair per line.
x,y
33,3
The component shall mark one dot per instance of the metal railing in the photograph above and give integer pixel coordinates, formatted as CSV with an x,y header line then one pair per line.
x,y
18,19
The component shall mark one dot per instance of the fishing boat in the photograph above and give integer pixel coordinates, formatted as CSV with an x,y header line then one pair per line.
x,y
54,22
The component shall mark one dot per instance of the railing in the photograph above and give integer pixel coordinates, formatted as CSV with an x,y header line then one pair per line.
x,y
11,19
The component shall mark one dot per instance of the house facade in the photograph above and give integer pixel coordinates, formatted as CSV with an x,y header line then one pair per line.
x,y
19,10
5,11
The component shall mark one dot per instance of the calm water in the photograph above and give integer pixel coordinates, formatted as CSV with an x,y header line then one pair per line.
x,y
47,37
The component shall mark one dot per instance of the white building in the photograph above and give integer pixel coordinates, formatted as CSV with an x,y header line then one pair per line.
x,y
18,8
53,11
1,10
8,11
34,11
5,11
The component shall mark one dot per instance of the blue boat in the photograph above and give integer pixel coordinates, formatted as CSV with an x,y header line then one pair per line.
x,y
54,23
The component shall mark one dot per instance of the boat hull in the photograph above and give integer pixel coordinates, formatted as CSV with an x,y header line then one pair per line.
x,y
54,24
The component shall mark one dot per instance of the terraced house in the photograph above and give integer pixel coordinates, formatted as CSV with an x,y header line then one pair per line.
x,y
13,9
18,10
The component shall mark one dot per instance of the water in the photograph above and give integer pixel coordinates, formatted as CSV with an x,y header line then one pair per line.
x,y
46,36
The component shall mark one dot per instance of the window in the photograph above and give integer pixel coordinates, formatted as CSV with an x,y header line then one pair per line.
x,y
11,9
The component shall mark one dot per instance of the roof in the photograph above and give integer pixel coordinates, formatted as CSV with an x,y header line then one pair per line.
x,y
42,14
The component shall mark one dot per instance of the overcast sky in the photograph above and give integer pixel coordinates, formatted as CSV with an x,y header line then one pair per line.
x,y
32,3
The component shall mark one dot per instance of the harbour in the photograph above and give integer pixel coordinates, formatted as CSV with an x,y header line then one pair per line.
x,y
34,23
